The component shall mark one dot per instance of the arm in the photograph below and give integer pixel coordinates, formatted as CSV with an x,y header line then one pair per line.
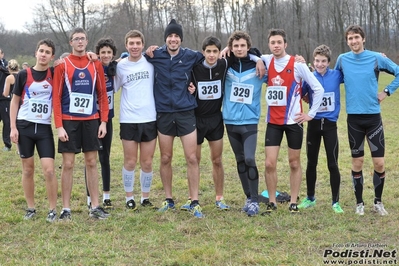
x,y
102,100
316,88
9,81
14,107
387,65
58,84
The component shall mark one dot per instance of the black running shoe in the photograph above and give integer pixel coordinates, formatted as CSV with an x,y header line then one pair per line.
x,y
147,204
131,204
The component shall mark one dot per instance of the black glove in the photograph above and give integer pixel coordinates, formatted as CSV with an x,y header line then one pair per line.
x,y
255,51
112,68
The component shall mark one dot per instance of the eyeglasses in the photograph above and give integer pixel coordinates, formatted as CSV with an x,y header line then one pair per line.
x,y
78,39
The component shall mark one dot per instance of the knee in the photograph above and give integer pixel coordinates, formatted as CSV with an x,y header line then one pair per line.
x,y
250,161
68,165
295,164
192,159
166,159
270,166
217,162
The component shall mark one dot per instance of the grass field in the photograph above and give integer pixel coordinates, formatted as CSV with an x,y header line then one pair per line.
x,y
221,238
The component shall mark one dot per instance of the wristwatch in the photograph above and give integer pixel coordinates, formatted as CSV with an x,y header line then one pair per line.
x,y
387,92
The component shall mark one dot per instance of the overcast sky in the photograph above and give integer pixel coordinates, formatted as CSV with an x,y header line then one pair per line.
x,y
15,13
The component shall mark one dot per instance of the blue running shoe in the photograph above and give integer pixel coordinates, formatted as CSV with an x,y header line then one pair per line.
x,y
166,205
186,206
222,205
253,209
246,206
197,211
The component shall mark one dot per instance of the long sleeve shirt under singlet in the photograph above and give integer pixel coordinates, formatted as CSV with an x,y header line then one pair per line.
x,y
284,72
361,80
79,76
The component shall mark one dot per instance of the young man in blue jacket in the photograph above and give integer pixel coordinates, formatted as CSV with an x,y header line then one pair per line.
x,y
175,111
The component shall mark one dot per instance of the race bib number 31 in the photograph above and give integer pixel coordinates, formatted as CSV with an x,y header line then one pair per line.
x,y
241,93
81,103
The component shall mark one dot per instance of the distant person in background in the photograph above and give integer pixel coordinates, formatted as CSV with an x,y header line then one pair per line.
x,y
4,103
13,69
3,61
25,65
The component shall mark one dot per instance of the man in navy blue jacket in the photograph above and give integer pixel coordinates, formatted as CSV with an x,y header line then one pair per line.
x,y
175,111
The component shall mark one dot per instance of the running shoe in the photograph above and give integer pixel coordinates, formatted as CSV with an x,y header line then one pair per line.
x,y
337,208
293,208
253,209
65,215
186,206
379,208
166,205
270,207
30,213
51,216
222,205
196,211
246,205
107,204
99,213
307,203
131,204
147,204
360,209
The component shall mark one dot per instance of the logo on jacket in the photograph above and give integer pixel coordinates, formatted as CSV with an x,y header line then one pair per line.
x,y
45,86
277,81
82,75
289,71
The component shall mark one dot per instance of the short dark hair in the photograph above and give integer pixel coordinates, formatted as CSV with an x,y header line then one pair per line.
x,y
239,34
274,32
77,30
211,40
106,42
47,42
354,29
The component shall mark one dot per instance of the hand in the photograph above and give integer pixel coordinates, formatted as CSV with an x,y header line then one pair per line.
x,y
305,98
381,96
14,135
62,135
102,130
299,59
260,69
300,118
150,50
92,56
191,88
225,52
58,62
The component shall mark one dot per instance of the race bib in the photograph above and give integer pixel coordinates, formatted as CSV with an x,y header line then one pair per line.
x,y
81,103
39,109
209,90
241,93
276,96
328,102
110,96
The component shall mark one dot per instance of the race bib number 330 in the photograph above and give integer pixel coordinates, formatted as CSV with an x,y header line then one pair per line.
x,y
276,96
